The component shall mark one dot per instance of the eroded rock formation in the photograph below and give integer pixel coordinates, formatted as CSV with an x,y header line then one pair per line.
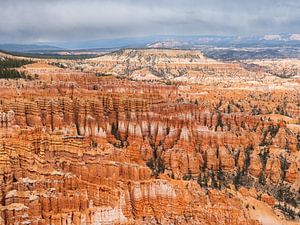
x,y
77,148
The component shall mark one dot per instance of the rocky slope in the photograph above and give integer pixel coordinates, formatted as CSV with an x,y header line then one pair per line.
x,y
164,65
180,66
77,148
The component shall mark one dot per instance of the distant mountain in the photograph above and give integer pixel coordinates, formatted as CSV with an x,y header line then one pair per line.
x,y
175,41
163,41
27,47
138,42
238,48
278,40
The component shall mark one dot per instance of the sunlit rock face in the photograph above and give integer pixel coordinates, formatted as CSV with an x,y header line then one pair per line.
x,y
77,148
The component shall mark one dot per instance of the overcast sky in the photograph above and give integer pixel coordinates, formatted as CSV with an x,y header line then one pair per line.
x,y
27,21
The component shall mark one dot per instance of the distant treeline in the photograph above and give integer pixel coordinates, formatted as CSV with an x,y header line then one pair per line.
x,y
52,55
13,63
7,70
12,74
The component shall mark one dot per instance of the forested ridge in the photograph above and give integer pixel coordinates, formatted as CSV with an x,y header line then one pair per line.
x,y
8,71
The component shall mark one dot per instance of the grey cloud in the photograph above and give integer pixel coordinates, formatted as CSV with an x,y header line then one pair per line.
x,y
62,20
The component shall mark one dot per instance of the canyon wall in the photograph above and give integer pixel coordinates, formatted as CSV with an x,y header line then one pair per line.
x,y
77,148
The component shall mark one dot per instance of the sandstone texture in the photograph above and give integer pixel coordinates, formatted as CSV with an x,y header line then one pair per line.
x,y
150,137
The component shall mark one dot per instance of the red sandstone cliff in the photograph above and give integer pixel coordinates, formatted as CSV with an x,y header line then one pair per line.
x,y
81,149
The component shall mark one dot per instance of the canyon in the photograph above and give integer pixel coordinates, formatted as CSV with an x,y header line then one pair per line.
x,y
150,136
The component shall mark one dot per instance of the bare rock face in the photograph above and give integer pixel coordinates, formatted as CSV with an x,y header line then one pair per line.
x,y
77,148
184,66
